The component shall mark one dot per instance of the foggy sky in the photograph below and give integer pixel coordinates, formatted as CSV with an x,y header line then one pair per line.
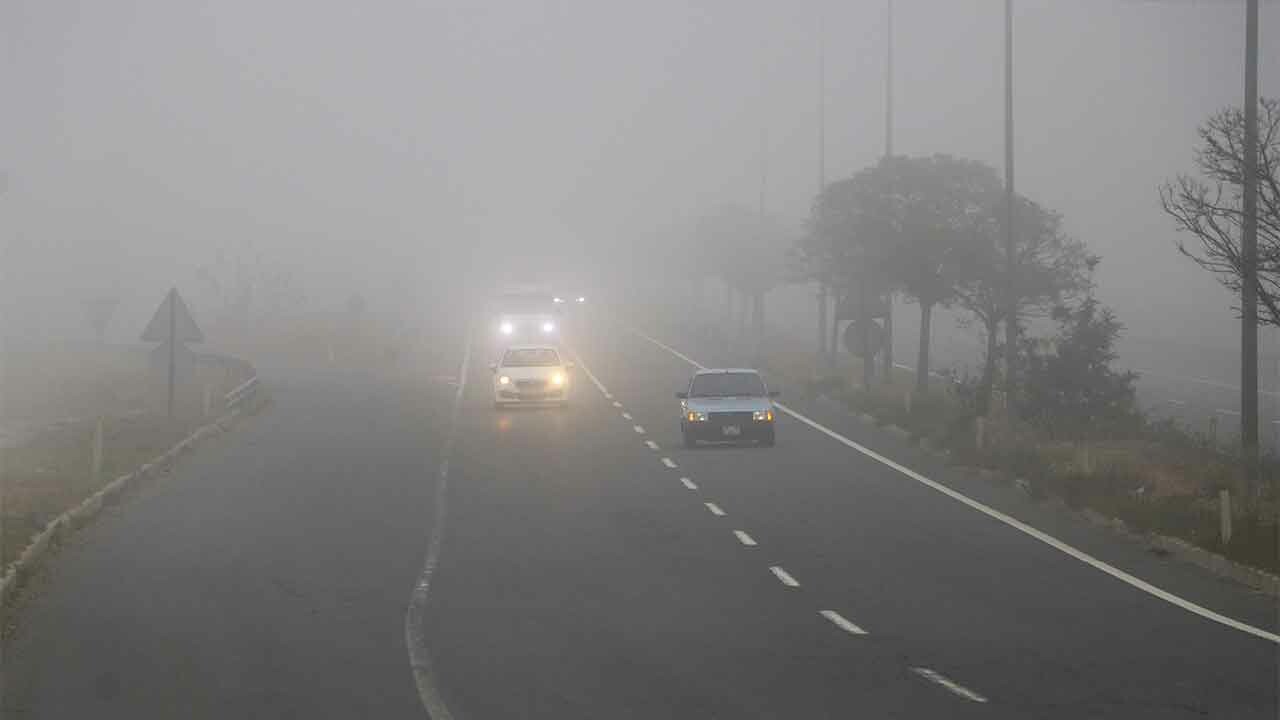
x,y
371,146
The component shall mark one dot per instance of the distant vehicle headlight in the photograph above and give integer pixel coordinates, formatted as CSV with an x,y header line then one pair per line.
x,y
557,379
506,328
762,416
581,299
557,300
548,327
504,380
695,416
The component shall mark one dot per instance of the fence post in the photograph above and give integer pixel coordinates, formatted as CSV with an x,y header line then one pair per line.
x,y
1224,515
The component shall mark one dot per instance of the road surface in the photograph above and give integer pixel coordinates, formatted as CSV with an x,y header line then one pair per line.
x,y
587,566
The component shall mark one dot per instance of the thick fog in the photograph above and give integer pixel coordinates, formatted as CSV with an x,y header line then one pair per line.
x,y
398,149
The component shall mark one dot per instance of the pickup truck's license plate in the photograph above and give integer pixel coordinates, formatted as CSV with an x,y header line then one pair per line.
x,y
731,430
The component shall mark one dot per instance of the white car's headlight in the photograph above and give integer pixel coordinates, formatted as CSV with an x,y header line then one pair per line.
x,y
557,379
506,328
762,416
504,380
548,327
695,416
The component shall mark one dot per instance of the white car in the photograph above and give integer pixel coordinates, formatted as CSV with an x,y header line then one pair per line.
x,y
531,374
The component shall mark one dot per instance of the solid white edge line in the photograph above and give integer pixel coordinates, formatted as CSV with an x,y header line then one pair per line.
x,y
783,576
669,462
1043,537
715,509
596,381
651,444
937,677
688,483
842,622
744,538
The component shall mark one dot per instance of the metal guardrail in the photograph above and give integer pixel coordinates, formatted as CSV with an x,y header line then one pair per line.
x,y
242,392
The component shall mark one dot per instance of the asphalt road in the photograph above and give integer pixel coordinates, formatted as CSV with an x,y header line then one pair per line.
x,y
590,567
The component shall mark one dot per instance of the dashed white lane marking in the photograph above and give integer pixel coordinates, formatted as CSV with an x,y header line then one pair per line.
x,y
939,678
1018,525
651,444
626,416
617,404
715,509
607,396
841,622
744,538
688,483
669,463
639,429
783,576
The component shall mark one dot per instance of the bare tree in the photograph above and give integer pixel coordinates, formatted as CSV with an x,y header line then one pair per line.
x,y
1210,207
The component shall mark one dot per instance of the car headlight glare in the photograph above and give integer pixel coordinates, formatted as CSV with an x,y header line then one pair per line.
x,y
506,328
762,416
581,299
504,380
548,327
695,416
557,379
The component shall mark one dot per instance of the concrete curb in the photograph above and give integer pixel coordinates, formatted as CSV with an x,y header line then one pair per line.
x,y
62,526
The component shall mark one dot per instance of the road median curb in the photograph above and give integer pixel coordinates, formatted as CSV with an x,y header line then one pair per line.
x,y
81,515
1220,565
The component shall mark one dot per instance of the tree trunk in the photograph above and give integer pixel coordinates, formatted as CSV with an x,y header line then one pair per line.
x,y
922,359
864,340
822,323
983,401
888,337
833,349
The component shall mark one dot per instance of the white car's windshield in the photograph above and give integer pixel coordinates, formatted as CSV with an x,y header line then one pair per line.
x,y
736,384
531,357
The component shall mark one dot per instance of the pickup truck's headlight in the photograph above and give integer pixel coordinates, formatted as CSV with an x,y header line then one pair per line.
x,y
695,416
557,379
506,328
762,416
504,380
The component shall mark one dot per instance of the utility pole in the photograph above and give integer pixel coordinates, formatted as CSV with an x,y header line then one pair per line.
x,y
888,153
1249,253
1011,307
822,184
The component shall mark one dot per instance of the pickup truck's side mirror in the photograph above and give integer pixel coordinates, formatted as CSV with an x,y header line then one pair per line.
x,y
493,367
774,393
682,396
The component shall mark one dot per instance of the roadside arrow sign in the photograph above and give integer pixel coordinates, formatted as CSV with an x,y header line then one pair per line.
x,y
172,321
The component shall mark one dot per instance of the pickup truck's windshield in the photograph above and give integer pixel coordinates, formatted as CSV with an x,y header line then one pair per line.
x,y
736,384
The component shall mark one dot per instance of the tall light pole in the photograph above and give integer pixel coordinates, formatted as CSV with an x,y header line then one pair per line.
x,y
822,184
888,152
1011,300
1249,251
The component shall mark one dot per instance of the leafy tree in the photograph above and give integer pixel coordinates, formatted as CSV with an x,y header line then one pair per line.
x,y
1071,391
1211,209
1052,269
